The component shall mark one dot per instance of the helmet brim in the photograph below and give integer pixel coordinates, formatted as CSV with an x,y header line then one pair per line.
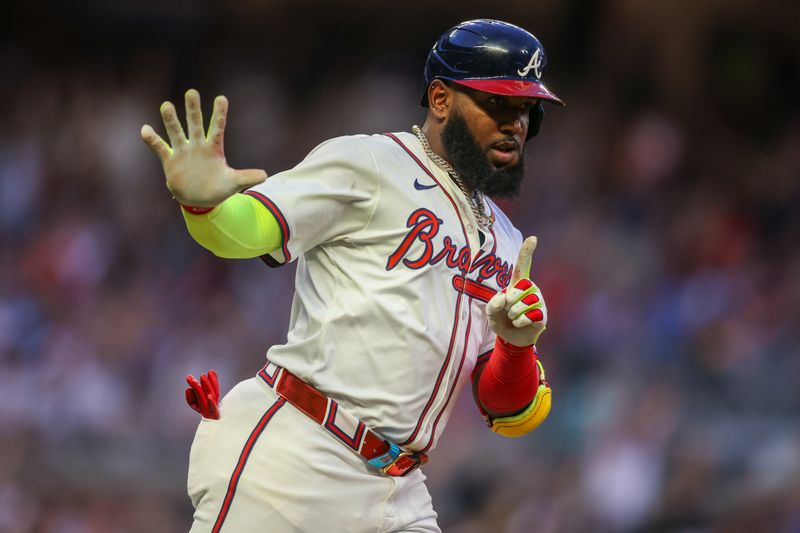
x,y
512,88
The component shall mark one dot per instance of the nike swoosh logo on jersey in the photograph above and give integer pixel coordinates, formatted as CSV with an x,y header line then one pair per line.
x,y
420,187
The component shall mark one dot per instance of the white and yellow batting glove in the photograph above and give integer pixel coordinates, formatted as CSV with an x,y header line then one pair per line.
x,y
518,314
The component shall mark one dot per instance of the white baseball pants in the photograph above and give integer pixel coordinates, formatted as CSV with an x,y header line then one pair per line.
x,y
266,467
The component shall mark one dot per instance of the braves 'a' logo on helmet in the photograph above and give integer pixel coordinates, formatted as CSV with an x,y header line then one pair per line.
x,y
534,64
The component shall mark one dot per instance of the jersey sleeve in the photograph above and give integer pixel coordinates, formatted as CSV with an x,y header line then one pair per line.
x,y
330,195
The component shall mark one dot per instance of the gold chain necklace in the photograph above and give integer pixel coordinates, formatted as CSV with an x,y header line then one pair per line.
x,y
475,199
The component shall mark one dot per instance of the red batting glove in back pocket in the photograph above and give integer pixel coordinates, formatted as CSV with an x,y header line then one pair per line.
x,y
203,395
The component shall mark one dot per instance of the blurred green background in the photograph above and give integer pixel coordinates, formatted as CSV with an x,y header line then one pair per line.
x,y
666,198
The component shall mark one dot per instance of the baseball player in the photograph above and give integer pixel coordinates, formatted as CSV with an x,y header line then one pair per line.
x,y
411,284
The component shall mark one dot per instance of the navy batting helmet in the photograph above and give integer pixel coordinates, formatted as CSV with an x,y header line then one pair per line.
x,y
494,57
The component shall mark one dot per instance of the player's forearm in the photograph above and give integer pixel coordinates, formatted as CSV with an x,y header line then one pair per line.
x,y
509,380
238,228
514,400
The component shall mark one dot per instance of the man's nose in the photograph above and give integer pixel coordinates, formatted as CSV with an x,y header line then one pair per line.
x,y
515,124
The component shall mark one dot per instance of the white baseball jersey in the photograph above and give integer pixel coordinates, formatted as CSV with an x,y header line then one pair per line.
x,y
388,316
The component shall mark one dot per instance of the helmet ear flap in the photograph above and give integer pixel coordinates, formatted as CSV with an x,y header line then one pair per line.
x,y
535,122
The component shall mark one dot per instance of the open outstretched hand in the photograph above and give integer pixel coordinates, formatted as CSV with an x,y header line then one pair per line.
x,y
195,167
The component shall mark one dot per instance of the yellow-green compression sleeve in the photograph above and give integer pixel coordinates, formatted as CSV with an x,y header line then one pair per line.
x,y
239,228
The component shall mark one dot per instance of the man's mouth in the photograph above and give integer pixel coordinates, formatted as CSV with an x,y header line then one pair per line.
x,y
505,153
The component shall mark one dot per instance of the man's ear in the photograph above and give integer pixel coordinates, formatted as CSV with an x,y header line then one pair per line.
x,y
440,98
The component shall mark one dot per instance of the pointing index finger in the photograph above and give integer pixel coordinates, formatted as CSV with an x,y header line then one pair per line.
x,y
522,269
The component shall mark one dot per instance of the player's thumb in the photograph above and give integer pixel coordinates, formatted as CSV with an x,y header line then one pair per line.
x,y
249,177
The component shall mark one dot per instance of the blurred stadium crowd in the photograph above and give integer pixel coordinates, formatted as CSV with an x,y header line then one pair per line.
x,y
666,198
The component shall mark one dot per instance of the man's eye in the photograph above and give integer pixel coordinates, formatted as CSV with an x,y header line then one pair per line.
x,y
495,100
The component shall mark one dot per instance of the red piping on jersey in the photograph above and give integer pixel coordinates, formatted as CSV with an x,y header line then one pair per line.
x,y
272,208
237,472
439,378
458,302
453,388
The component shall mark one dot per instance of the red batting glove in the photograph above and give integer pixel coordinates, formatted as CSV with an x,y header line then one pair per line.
x,y
203,396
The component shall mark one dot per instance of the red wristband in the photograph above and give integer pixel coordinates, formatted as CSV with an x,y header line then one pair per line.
x,y
509,381
196,210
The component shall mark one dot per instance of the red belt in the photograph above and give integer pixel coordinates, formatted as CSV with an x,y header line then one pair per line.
x,y
384,455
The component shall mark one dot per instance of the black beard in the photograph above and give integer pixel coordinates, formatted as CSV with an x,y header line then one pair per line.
x,y
472,163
